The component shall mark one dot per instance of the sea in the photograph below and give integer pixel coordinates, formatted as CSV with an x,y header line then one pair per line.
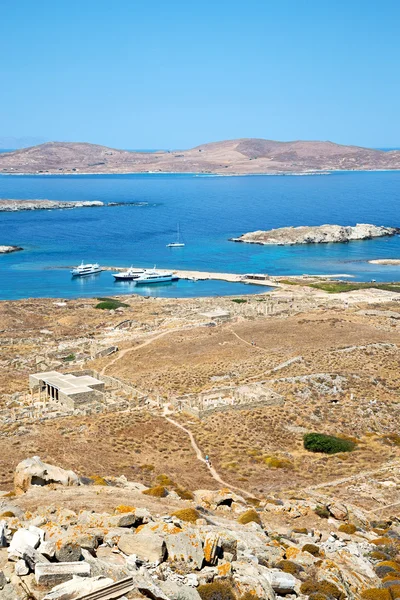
x,y
210,210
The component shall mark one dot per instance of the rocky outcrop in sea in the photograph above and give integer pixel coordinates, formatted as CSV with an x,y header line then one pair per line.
x,y
9,249
12,205
321,234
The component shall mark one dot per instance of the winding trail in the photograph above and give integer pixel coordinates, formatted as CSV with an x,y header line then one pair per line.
x,y
122,353
199,456
246,342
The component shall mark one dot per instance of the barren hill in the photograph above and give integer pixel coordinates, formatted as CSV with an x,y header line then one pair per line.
x,y
248,155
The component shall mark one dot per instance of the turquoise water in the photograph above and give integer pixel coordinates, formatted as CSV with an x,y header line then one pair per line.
x,y
210,210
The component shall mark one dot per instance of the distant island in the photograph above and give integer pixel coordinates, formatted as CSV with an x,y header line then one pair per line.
x,y
385,261
11,205
241,156
9,249
322,234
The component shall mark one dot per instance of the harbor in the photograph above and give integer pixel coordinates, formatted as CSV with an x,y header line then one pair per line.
x,y
249,278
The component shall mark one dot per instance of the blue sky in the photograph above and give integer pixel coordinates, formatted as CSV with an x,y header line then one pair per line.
x,y
174,73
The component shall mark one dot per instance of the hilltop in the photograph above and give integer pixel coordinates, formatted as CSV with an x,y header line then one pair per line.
x,y
241,156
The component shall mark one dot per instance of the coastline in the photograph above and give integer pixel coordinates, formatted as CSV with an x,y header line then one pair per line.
x,y
206,174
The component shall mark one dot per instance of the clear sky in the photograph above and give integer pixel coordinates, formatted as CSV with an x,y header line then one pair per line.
x,y
177,73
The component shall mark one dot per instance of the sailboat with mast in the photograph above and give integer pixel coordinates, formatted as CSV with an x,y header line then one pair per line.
x,y
178,243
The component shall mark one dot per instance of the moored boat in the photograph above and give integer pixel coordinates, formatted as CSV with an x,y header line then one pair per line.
x,y
86,269
155,276
129,275
178,243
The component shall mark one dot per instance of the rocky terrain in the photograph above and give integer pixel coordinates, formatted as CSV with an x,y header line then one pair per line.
x,y
11,205
8,249
322,234
122,503
66,536
239,156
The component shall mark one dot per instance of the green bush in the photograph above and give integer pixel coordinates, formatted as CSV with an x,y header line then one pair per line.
x,y
218,590
328,444
239,300
109,304
190,515
250,516
322,512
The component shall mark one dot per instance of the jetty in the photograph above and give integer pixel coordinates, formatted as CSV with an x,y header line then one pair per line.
x,y
249,278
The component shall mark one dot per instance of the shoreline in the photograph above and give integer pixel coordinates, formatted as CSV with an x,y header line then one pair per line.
x,y
208,174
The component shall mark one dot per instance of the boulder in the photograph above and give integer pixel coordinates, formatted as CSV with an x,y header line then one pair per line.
x,y
51,574
176,591
76,587
148,547
47,549
68,550
212,548
282,583
248,579
148,587
213,499
338,511
21,568
113,566
20,540
33,471
186,547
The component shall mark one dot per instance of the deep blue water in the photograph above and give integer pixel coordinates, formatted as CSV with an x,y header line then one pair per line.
x,y
210,210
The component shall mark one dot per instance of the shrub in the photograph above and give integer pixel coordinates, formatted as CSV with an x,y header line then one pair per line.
x,y
184,494
376,594
158,491
98,480
274,462
239,300
190,515
395,591
328,444
69,358
122,508
377,555
348,528
109,304
250,516
321,587
218,590
311,549
288,566
322,512
164,480
249,596
8,513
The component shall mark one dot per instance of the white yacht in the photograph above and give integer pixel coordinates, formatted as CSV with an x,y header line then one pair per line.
x,y
155,276
129,275
86,269
178,243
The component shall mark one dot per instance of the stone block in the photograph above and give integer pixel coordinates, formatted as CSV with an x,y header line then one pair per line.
x,y
185,547
148,547
51,574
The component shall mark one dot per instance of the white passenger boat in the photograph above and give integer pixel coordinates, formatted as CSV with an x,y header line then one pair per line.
x,y
86,269
155,276
178,243
129,275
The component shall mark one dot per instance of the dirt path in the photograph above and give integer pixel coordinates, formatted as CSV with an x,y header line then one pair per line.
x,y
199,456
246,342
122,353
335,482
